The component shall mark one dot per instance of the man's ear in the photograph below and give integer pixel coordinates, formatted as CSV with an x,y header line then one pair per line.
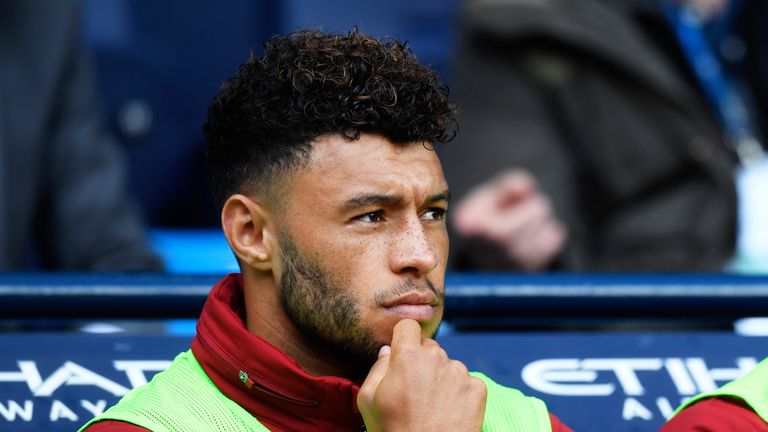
x,y
248,228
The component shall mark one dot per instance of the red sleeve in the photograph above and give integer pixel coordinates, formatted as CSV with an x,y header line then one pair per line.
x,y
716,415
557,425
115,426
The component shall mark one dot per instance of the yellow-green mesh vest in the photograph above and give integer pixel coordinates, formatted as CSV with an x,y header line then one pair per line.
x,y
752,388
184,399
509,410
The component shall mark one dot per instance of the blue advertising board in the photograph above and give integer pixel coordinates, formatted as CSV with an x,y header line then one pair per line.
x,y
593,381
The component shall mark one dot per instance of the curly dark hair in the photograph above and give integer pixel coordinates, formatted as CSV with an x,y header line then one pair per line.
x,y
310,83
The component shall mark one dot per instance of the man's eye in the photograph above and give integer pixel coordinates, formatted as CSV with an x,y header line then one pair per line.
x,y
376,216
435,213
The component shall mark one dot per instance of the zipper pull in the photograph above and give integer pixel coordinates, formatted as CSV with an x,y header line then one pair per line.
x,y
243,376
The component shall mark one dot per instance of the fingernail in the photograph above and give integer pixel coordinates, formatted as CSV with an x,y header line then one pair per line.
x,y
384,350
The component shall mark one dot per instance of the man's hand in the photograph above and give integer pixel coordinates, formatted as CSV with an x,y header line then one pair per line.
x,y
414,386
510,212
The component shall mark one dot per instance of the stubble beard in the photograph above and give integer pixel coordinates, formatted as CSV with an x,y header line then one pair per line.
x,y
328,318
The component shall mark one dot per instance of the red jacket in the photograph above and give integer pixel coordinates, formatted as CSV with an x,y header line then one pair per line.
x,y
716,415
278,392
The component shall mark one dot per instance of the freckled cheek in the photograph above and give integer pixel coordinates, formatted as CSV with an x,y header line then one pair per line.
x,y
368,254
440,245
359,267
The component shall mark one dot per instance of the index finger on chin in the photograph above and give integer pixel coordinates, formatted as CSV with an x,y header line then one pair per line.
x,y
407,332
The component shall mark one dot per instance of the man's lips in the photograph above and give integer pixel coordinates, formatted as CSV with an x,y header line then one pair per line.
x,y
418,306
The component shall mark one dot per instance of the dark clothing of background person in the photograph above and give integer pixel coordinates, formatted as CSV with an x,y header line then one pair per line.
x,y
611,126
62,182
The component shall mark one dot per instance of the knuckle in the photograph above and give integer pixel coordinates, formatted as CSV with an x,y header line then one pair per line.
x,y
430,343
365,395
436,352
443,355
477,386
458,367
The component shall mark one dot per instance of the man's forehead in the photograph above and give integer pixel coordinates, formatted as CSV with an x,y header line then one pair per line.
x,y
372,165
372,152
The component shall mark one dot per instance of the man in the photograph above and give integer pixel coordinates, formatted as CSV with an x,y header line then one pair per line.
x,y
334,202
737,406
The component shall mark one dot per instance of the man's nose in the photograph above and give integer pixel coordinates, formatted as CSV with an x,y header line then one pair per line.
x,y
413,251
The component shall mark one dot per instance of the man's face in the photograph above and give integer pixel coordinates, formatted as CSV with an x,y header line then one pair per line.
x,y
363,243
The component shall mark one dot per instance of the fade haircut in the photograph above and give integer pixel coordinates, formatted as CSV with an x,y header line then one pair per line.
x,y
262,123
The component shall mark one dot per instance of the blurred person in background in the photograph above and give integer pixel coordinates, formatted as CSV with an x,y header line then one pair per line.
x,y
592,140
63,201
333,200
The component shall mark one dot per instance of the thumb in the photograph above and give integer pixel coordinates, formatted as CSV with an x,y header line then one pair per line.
x,y
375,375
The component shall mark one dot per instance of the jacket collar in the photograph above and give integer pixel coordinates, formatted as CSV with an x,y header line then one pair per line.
x,y
261,378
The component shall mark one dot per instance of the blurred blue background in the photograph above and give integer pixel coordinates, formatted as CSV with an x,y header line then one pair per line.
x,y
159,64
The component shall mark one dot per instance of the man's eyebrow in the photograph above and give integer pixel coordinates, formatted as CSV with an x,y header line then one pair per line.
x,y
372,199
366,199
442,196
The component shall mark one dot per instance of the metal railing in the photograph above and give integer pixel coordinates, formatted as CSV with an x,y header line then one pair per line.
x,y
472,299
